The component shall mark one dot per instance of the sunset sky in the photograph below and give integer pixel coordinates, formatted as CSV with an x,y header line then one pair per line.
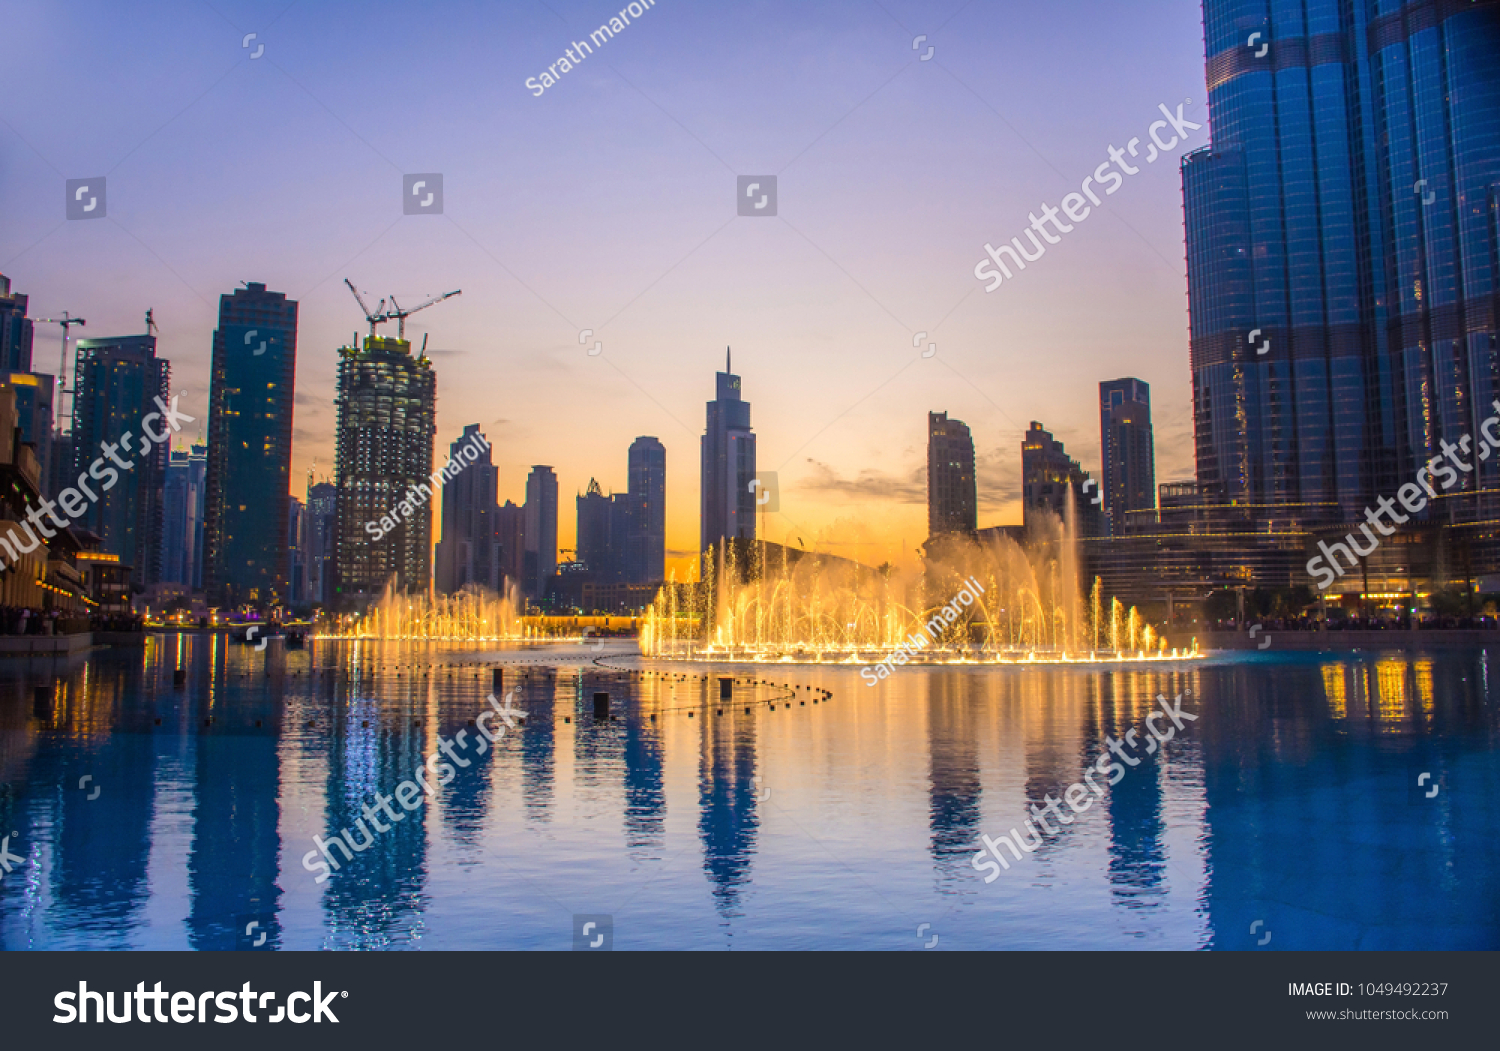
x,y
608,203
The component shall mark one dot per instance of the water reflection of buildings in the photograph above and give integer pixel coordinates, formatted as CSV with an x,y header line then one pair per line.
x,y
234,858
101,846
1045,730
953,776
1137,855
728,822
645,793
1318,827
538,744
376,899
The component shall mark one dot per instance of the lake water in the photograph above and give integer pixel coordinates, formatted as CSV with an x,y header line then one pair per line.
x,y
1292,814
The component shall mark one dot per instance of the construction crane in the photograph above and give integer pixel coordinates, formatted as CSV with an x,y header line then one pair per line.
x,y
401,315
377,318
67,322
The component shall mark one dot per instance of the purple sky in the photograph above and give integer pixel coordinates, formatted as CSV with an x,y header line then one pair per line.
x,y
609,203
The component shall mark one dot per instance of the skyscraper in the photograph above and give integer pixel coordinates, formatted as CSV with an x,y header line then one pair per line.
x,y
1342,248
250,448
510,531
952,501
469,552
728,508
596,544
1126,449
182,517
15,330
319,532
296,588
1050,480
541,531
117,381
34,390
387,401
645,556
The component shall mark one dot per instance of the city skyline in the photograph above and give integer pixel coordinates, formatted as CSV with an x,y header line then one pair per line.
x,y
821,303
682,562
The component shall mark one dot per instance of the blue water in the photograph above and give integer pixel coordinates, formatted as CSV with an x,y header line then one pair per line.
x,y
1290,808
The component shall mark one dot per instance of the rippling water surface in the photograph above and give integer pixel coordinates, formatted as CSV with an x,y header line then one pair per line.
x,y
1292,814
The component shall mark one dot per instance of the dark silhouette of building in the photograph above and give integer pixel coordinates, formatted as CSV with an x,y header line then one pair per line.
x,y
595,539
645,560
541,531
622,538
469,552
387,400
1341,246
319,533
117,381
35,391
296,591
250,448
1049,477
15,329
1126,450
952,503
184,495
510,531
728,509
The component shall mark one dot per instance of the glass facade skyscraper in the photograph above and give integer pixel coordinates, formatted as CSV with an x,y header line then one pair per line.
x,y
646,542
540,532
117,381
250,448
728,503
1341,244
952,500
182,517
1128,451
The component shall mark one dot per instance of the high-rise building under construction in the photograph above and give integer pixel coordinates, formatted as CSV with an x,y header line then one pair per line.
x,y
386,403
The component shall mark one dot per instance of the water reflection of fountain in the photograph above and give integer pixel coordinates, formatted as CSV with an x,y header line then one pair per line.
x,y
473,614
762,602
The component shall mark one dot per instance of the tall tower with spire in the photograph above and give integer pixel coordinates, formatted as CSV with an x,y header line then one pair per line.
x,y
728,508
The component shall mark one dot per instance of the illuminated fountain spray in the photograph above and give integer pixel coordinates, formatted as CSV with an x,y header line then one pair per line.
x,y
1013,604
472,614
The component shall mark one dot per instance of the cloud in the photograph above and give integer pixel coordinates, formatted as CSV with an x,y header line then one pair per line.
x,y
444,353
316,401
997,477
870,484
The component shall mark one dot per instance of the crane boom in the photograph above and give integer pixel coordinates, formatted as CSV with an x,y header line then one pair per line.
x,y
401,315
377,318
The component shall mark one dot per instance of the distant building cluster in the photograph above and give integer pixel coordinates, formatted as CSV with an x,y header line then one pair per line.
x,y
1054,486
